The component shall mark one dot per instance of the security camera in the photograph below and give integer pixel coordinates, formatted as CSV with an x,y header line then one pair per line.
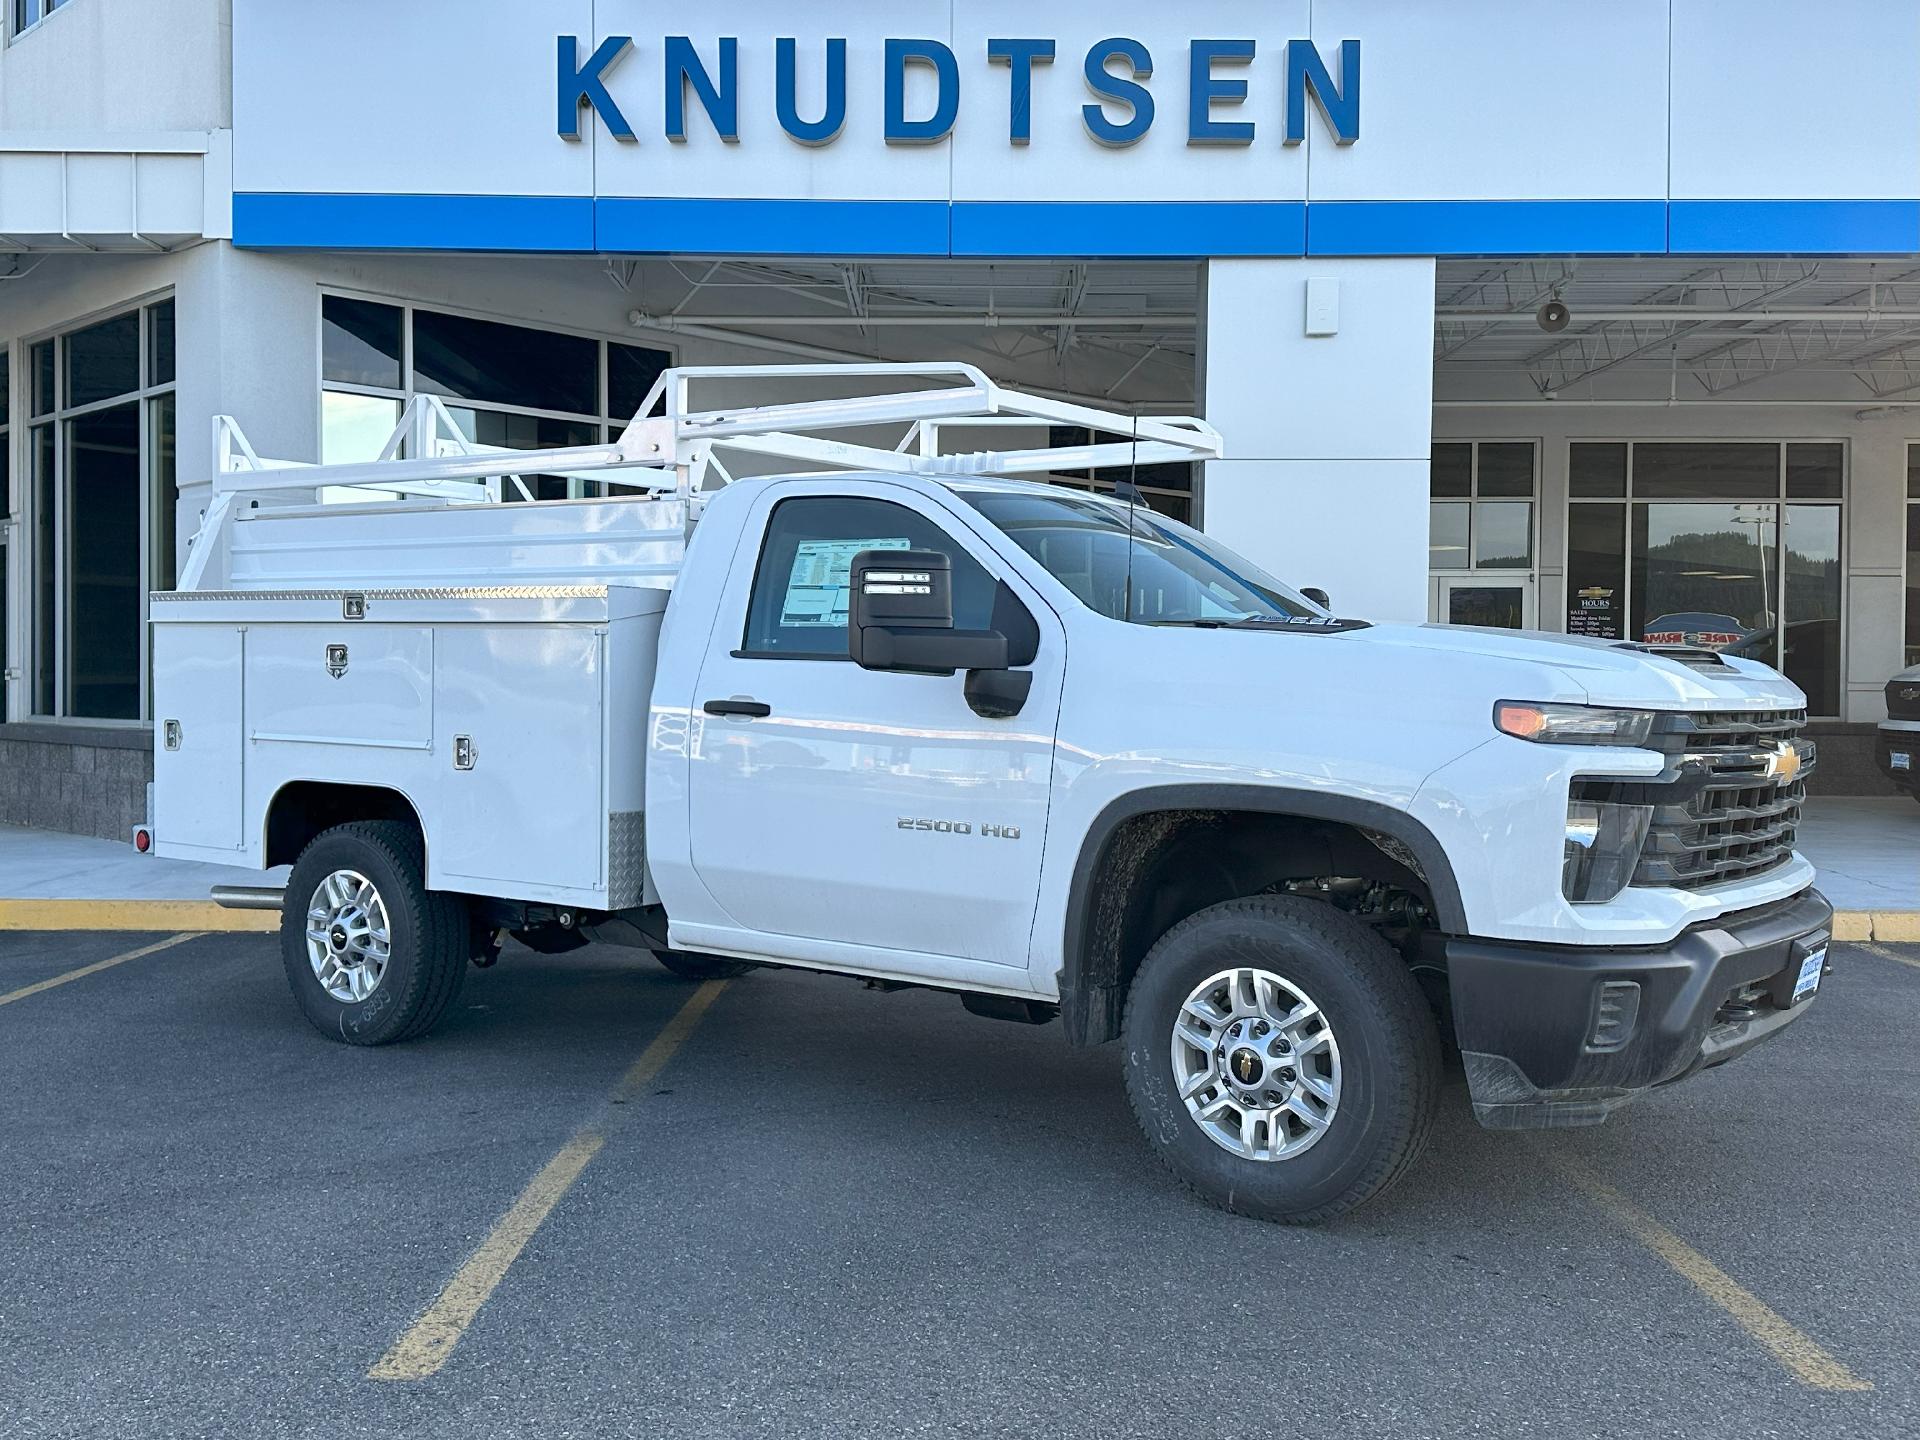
x,y
1553,317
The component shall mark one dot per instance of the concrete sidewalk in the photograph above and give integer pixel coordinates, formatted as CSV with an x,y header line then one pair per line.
x,y
1867,851
50,881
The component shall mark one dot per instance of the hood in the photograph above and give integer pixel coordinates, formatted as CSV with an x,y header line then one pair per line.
x,y
1612,672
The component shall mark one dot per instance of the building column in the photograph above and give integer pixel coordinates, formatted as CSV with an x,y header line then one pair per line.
x,y
1327,435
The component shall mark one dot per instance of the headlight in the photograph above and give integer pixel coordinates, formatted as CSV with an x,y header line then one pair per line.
x,y
1602,848
1572,724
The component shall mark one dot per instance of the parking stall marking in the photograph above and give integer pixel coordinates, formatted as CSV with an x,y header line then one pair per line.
x,y
1798,1353
1885,954
40,986
430,1340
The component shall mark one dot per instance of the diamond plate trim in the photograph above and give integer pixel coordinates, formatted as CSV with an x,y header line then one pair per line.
x,y
626,859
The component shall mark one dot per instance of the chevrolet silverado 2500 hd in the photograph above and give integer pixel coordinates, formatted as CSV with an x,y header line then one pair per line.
x,y
900,713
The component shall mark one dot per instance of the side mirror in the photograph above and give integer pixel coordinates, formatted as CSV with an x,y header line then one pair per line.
x,y
900,617
1317,596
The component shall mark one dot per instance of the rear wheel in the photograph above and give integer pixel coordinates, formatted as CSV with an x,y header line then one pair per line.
x,y
1280,1058
373,956
689,966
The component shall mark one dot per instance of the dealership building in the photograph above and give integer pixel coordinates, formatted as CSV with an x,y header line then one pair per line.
x,y
1601,319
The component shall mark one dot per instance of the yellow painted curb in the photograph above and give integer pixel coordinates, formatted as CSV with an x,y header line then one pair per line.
x,y
132,915
1887,926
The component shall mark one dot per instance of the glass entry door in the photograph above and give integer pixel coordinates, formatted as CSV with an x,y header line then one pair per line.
x,y
1497,604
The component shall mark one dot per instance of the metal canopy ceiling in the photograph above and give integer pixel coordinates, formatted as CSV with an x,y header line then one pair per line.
x,y
1704,329
1115,331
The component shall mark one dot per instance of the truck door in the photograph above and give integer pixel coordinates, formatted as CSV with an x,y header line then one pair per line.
x,y
838,813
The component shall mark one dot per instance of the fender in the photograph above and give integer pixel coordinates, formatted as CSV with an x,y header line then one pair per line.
x,y
1088,1016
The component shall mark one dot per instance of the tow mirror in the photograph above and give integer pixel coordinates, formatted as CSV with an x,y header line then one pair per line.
x,y
900,617
1317,596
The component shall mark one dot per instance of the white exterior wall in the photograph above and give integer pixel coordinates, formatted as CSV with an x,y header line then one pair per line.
x,y
1327,437
126,67
1873,555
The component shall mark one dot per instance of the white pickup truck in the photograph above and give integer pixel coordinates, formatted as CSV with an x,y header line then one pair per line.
x,y
902,717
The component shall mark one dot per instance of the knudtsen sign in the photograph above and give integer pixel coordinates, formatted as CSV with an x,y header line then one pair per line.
x,y
1118,74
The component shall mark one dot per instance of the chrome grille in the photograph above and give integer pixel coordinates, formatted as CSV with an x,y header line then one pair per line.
x,y
1718,814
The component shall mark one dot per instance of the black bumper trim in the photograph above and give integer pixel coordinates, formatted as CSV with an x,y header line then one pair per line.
x,y
1525,1015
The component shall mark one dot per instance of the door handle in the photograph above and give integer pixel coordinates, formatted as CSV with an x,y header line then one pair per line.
x,y
753,708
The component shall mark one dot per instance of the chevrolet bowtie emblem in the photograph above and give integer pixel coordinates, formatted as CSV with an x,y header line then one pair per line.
x,y
1783,764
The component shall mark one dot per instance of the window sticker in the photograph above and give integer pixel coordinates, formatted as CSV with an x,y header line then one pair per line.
x,y
819,588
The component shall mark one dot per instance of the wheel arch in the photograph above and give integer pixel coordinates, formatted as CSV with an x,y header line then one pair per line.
x,y
1125,835
302,809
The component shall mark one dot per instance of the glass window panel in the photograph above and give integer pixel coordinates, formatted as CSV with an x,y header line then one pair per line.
x,y
1503,535
1452,470
1498,607
360,342
6,397
103,564
1704,574
1913,585
1913,472
1706,471
505,364
800,590
631,371
1447,535
160,343
1597,470
355,427
45,569
1506,469
166,490
1810,608
527,432
6,477
1813,471
40,360
104,360
1597,571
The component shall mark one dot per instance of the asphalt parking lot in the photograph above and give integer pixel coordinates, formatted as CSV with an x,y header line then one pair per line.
x,y
815,1210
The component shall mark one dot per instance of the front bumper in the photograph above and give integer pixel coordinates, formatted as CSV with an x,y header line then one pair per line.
x,y
1898,752
1558,1036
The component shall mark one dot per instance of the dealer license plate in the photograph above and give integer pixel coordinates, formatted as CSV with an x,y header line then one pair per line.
x,y
1808,980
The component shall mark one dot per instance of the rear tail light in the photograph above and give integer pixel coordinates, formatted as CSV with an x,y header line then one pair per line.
x,y
143,839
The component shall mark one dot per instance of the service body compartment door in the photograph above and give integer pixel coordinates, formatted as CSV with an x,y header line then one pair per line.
x,y
529,816
197,781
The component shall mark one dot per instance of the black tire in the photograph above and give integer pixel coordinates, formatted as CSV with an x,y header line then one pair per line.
x,y
428,936
689,966
1389,1050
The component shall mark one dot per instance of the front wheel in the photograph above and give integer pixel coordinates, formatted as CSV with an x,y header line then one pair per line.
x,y
373,956
1281,1058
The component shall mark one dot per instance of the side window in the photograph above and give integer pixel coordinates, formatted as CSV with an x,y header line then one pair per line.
x,y
800,591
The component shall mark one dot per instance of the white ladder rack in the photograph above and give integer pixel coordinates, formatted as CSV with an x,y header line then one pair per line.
x,y
428,457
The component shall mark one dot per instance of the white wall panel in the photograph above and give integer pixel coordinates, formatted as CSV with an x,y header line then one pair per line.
x,y
443,97
1782,98
1486,99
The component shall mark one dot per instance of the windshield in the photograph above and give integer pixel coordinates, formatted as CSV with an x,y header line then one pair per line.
x,y
1136,565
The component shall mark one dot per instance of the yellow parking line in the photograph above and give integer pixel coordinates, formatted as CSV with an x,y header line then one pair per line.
x,y
429,1341
135,915
1799,1354
1886,954
94,969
